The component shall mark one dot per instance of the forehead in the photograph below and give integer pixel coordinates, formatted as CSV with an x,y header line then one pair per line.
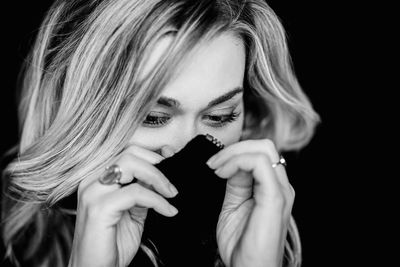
x,y
212,69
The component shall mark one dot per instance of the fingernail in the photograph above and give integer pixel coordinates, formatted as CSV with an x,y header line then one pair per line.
x,y
211,162
173,210
173,189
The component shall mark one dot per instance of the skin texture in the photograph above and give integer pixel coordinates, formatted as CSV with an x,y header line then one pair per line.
x,y
253,222
216,68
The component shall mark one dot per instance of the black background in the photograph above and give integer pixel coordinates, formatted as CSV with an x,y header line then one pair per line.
x,y
324,37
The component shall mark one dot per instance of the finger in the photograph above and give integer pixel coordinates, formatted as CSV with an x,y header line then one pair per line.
x,y
91,190
239,188
138,151
259,165
145,154
281,172
130,167
250,146
253,146
167,151
135,167
135,195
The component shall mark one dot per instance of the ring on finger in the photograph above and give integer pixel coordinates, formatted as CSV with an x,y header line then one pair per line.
x,y
112,175
281,161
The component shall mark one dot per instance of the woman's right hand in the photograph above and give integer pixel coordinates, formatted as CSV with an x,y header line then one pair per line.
x,y
110,218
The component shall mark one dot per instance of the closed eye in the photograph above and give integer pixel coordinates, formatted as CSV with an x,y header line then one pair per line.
x,y
159,119
222,120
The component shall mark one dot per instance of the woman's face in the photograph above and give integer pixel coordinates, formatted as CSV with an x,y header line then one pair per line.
x,y
206,96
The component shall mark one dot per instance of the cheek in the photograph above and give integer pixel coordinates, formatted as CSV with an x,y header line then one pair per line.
x,y
146,139
231,134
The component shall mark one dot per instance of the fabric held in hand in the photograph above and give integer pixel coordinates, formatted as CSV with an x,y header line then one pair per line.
x,y
189,238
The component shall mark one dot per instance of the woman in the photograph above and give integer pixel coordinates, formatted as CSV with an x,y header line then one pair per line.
x,y
127,83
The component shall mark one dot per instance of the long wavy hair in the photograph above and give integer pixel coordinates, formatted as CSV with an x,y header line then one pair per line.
x,y
83,94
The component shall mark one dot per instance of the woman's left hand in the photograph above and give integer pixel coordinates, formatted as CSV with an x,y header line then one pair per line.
x,y
255,215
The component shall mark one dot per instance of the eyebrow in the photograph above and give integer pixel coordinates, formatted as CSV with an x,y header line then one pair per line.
x,y
171,102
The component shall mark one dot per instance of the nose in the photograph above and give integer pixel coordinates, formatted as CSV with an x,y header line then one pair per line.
x,y
178,140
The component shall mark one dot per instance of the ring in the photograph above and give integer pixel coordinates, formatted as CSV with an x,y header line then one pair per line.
x,y
112,175
281,161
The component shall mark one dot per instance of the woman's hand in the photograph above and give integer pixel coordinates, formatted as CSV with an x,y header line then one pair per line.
x,y
110,218
255,215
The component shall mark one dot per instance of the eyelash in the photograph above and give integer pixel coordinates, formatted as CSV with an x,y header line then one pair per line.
x,y
219,120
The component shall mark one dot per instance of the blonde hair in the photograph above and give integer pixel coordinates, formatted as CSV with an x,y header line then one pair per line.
x,y
81,100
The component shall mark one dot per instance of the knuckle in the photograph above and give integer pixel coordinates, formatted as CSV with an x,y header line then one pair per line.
x,y
289,201
269,144
81,186
292,191
85,197
289,196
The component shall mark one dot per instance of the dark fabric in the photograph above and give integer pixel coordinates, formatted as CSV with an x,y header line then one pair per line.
x,y
189,237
